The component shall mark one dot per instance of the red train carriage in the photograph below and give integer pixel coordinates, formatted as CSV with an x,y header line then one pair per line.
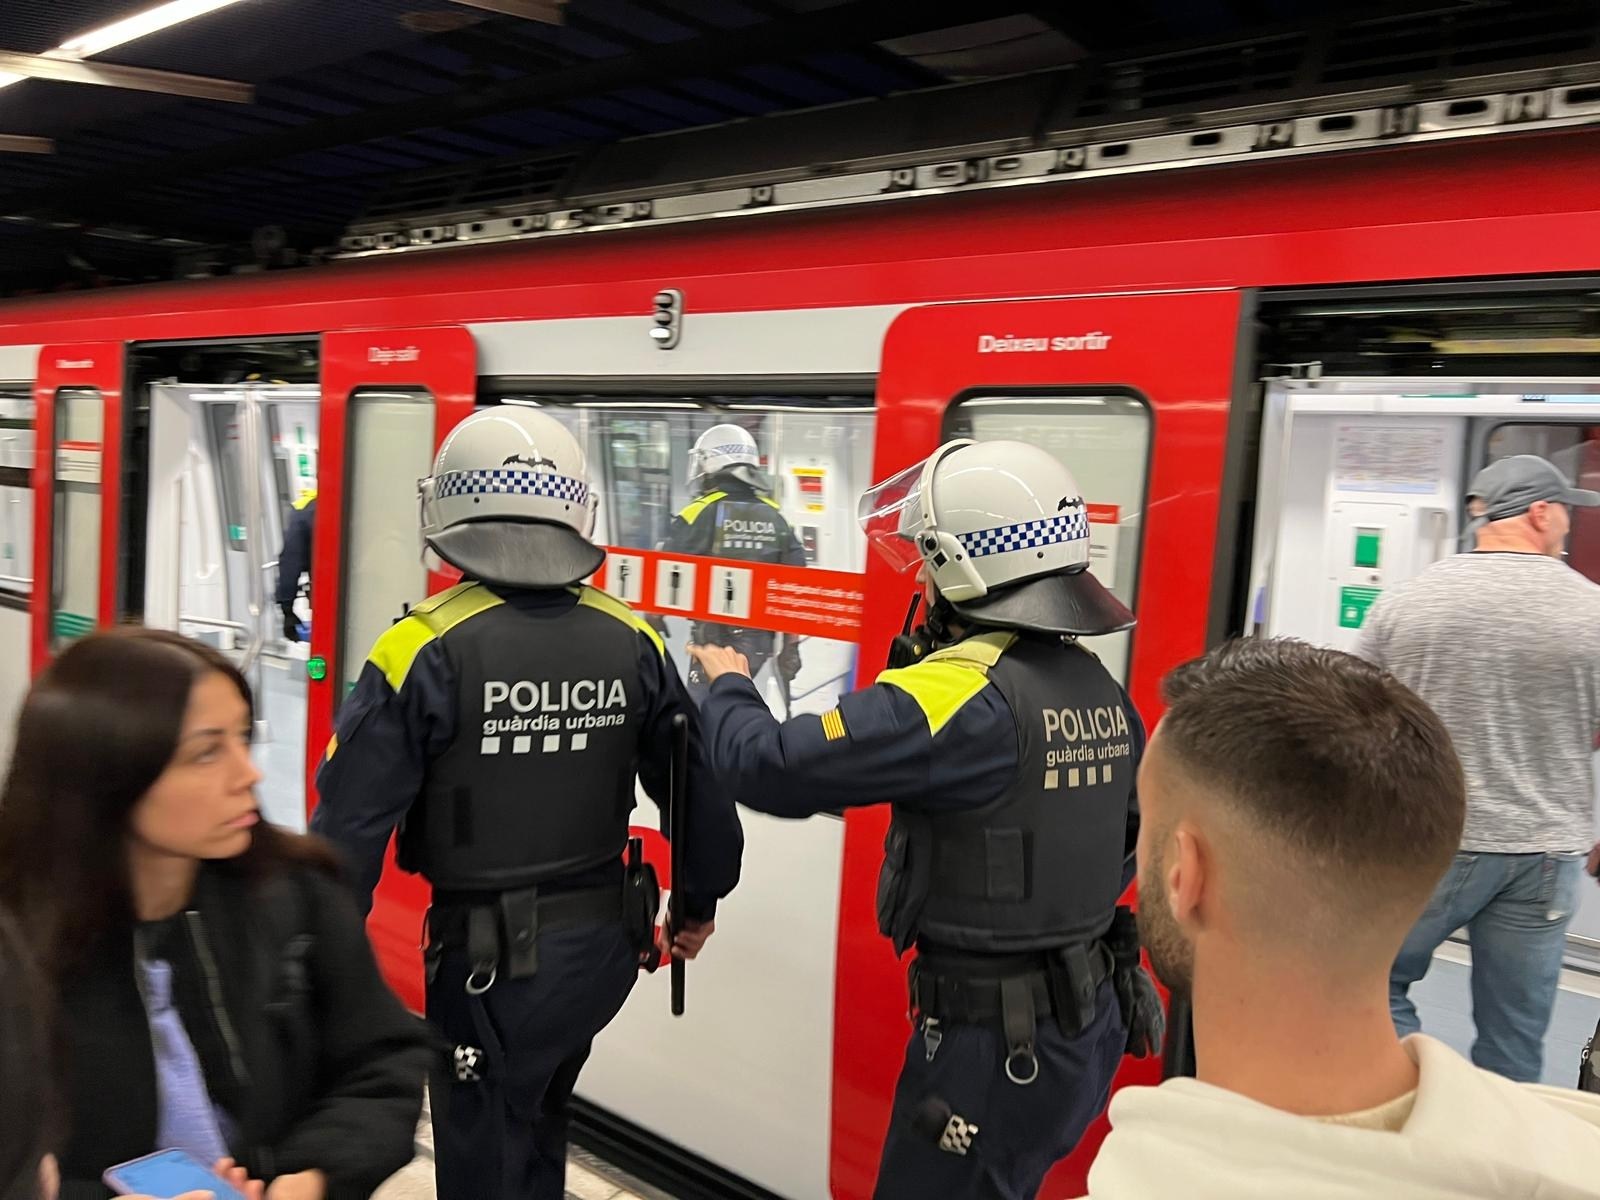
x,y
1129,324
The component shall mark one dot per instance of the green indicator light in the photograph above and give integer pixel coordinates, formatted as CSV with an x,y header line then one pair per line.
x,y
317,668
1368,547
236,532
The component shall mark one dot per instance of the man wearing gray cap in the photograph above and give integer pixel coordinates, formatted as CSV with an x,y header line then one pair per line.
x,y
1504,644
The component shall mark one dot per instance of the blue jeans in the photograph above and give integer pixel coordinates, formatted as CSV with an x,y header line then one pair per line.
x,y
1516,908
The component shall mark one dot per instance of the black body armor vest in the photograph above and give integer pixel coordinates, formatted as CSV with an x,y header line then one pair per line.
x,y
749,529
539,782
1041,866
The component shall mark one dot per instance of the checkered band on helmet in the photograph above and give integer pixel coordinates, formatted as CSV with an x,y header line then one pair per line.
x,y
1027,535
504,482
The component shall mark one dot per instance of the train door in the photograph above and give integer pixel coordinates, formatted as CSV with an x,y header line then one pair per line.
x,y
389,397
230,466
1132,392
78,417
282,528
1361,487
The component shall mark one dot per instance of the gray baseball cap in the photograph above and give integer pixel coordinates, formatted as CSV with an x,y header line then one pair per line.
x,y
1511,486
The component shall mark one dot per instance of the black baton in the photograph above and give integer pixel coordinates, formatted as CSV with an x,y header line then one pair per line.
x,y
678,825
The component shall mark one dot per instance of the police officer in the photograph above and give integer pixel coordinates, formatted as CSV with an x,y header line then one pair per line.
x,y
732,516
1007,753
294,560
500,725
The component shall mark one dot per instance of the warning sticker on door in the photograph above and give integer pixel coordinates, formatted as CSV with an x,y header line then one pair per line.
x,y
730,591
804,600
674,584
809,481
625,577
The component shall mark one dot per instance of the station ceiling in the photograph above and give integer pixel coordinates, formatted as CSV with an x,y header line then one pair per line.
x,y
251,135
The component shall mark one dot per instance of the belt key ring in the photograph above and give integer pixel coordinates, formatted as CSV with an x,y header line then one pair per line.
x,y
1023,1053
473,989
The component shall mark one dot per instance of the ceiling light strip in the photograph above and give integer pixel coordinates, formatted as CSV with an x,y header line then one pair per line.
x,y
547,11
142,24
137,79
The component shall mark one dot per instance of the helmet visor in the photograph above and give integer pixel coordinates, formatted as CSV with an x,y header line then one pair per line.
x,y
890,514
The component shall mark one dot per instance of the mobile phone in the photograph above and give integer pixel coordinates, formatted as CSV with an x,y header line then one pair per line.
x,y
165,1174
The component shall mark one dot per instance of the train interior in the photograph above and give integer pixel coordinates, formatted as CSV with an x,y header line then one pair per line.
x,y
1376,413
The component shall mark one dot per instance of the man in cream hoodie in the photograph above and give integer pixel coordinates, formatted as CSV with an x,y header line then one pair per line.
x,y
1299,806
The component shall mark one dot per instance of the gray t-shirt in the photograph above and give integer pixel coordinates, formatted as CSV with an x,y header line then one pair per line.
x,y
1506,649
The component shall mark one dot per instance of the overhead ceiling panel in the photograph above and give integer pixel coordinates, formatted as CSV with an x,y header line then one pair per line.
x,y
354,98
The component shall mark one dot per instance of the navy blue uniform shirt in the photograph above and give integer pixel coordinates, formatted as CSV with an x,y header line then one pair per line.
x,y
387,734
878,747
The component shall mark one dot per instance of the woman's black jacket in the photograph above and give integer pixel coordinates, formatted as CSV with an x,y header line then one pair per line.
x,y
315,1061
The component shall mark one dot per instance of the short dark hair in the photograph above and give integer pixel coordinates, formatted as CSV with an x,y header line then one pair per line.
x,y
1333,756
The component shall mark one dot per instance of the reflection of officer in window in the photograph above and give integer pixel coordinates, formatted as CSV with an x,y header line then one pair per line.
x,y
294,560
500,725
731,517
1007,753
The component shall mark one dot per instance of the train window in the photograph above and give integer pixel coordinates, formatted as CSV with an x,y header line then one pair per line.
x,y
222,432
1576,450
292,434
75,586
1105,442
16,494
391,442
815,458
637,459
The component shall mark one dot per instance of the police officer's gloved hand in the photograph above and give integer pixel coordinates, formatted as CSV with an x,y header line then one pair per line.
x,y
789,661
1136,991
291,623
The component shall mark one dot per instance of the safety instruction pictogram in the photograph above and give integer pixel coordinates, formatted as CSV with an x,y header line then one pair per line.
x,y
730,591
674,584
625,577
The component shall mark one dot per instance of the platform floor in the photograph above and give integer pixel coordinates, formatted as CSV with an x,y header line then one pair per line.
x,y
588,1178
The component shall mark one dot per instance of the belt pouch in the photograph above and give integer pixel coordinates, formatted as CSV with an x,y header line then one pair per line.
x,y
641,904
519,915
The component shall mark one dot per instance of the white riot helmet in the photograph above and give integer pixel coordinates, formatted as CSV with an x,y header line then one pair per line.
x,y
509,501
1003,532
728,448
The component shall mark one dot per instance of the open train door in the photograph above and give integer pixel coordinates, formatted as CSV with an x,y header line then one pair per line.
x,y
1132,392
76,492
389,398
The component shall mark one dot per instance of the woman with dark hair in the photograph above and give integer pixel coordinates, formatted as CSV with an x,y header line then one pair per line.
x,y
214,986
